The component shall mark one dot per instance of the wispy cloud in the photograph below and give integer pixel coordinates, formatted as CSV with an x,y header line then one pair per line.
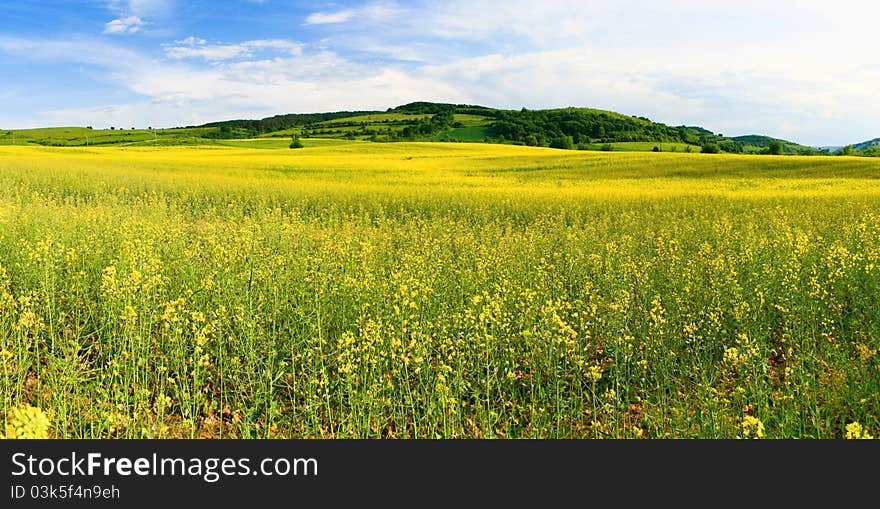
x,y
141,8
129,25
325,18
132,15
371,12
191,40
193,47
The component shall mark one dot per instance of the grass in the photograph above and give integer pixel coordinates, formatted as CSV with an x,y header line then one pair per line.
x,y
81,136
438,290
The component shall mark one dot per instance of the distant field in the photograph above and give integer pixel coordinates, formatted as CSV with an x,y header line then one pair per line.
x,y
81,136
640,146
438,290
276,143
472,120
377,118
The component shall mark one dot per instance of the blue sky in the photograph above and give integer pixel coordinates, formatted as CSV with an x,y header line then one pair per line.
x,y
802,70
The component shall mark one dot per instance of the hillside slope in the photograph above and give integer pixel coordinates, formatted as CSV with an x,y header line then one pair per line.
x,y
868,145
566,128
756,142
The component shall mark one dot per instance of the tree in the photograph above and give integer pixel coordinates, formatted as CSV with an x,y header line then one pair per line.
x,y
776,148
295,143
564,142
710,148
655,149
847,151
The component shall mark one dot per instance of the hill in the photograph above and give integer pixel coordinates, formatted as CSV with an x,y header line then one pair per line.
x,y
755,143
280,122
868,145
870,148
583,128
565,128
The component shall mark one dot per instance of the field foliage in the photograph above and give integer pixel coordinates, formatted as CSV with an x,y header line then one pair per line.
x,y
438,290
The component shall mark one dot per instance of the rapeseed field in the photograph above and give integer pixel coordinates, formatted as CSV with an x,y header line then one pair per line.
x,y
437,290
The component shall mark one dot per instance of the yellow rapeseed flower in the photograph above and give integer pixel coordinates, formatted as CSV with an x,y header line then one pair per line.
x,y
855,431
752,427
27,422
731,356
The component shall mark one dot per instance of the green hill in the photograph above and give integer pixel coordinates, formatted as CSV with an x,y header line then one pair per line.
x,y
868,145
280,122
560,128
568,128
753,143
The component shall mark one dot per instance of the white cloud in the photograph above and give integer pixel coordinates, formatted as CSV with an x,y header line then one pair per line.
x,y
129,25
179,93
785,68
132,15
793,98
374,12
198,48
178,96
323,18
141,8
191,40
211,53
294,48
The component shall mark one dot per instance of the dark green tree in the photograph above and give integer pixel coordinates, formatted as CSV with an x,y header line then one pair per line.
x,y
710,148
776,148
565,142
295,143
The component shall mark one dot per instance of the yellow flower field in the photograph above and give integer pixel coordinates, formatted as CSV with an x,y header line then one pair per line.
x,y
437,290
